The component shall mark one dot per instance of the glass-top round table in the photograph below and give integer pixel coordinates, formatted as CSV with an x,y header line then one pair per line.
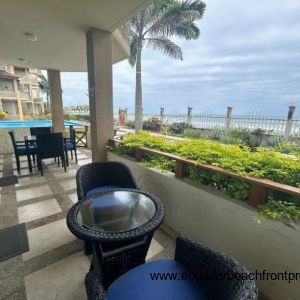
x,y
118,225
117,211
115,215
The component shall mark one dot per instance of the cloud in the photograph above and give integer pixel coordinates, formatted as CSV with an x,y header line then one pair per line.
x,y
247,56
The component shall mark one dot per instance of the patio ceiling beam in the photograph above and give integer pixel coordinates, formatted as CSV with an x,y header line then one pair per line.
x,y
57,110
99,64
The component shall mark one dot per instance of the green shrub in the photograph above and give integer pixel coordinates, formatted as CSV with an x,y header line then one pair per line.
x,y
277,142
228,140
152,124
235,188
67,117
216,134
192,133
275,209
243,134
178,128
3,115
263,164
130,124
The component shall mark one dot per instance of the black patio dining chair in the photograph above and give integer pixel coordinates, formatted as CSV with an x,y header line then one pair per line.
x,y
209,275
70,145
20,149
39,130
50,146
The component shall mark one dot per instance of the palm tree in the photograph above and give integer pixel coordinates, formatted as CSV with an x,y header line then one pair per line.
x,y
44,87
152,28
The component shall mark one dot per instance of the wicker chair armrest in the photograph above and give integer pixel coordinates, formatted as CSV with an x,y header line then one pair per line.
x,y
201,260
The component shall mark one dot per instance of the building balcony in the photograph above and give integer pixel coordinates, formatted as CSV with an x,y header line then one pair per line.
x,y
24,96
8,94
28,80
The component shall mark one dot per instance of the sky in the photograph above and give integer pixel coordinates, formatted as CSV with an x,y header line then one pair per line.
x,y
247,57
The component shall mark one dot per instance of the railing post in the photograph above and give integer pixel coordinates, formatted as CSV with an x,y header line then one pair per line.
x,y
179,169
138,154
189,116
126,111
228,119
289,122
162,113
122,117
258,195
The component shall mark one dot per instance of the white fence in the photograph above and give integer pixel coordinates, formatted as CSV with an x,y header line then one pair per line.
x,y
279,125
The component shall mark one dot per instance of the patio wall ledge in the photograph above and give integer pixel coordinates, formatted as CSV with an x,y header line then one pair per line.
x,y
208,216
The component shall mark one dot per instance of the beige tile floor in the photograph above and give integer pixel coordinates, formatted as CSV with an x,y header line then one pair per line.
x,y
47,237
55,266
38,210
33,192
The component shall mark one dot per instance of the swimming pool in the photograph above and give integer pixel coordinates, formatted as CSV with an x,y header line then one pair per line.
x,y
37,123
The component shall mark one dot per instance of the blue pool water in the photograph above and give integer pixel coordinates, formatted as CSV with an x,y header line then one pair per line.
x,y
38,123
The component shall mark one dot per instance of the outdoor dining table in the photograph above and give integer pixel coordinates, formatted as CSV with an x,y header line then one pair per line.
x,y
120,224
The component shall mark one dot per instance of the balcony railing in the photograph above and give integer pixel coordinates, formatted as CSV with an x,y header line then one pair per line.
x,y
24,96
27,80
259,186
8,94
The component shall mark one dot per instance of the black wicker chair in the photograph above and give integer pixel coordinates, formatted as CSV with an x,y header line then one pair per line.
x,y
199,261
103,174
70,145
50,146
21,149
39,130
198,258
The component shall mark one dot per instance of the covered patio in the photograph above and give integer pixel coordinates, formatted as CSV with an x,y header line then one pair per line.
x,y
80,36
55,265
60,36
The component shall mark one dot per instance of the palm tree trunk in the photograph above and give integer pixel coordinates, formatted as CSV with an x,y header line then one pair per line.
x,y
138,94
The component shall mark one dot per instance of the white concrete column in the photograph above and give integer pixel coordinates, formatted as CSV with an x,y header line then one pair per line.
x,y
19,100
99,61
57,110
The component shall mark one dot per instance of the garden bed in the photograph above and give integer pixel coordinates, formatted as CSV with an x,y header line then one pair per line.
x,y
264,164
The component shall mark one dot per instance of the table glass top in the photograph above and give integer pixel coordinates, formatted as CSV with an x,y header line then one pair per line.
x,y
118,211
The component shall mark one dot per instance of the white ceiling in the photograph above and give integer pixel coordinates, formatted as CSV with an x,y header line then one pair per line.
x,y
60,26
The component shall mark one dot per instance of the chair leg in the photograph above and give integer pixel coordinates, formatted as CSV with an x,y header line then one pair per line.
x,y
67,157
71,154
33,158
18,164
63,161
29,163
58,162
40,167
75,151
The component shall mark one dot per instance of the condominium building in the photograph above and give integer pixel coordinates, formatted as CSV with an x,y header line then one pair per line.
x,y
19,92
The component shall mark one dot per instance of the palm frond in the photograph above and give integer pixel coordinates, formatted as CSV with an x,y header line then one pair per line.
x,y
166,46
177,17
